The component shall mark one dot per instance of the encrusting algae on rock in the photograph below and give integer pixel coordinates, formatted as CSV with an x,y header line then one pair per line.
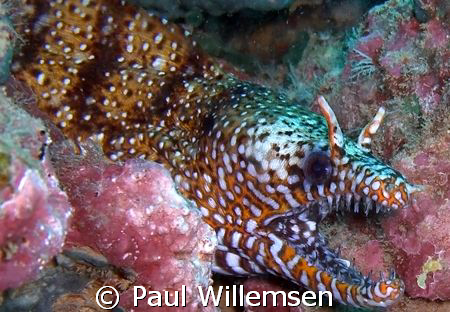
x,y
262,170
34,211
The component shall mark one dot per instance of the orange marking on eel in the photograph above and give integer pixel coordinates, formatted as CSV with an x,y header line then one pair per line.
x,y
288,254
326,279
342,288
311,272
354,292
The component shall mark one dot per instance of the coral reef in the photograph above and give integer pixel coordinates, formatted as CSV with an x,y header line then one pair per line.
x,y
398,58
129,227
413,56
132,215
421,234
263,193
395,60
34,211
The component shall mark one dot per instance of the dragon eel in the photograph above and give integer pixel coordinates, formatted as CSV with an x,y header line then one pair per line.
x,y
262,170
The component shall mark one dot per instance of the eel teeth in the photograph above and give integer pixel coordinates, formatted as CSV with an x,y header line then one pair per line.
x,y
392,274
369,205
348,201
330,202
355,203
369,276
339,202
378,207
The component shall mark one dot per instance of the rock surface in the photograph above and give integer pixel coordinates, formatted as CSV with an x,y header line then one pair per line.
x,y
421,234
34,211
133,216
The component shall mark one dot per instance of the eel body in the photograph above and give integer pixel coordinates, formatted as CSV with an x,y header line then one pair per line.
x,y
263,171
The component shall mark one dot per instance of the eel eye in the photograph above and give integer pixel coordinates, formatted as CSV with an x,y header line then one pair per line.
x,y
317,167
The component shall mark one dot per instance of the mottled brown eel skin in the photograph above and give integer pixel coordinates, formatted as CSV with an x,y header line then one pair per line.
x,y
262,170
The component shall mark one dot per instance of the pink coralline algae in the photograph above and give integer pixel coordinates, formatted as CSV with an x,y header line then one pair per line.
x,y
420,234
133,215
366,247
34,211
406,57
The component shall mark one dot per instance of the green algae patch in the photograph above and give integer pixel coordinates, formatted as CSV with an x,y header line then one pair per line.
x,y
428,267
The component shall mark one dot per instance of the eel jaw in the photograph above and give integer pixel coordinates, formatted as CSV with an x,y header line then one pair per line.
x,y
372,292
324,269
